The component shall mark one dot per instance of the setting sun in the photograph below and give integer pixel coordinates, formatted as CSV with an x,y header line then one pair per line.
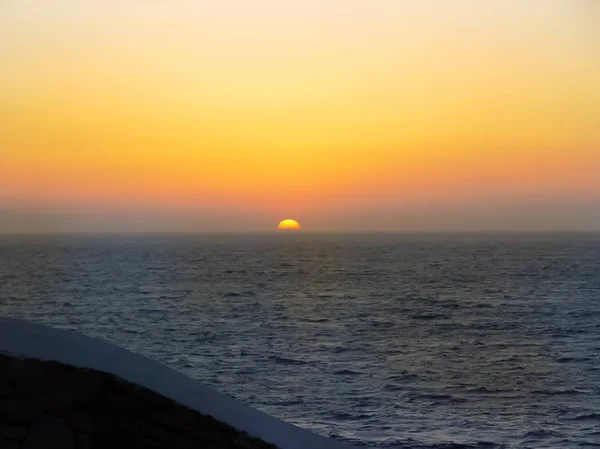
x,y
288,224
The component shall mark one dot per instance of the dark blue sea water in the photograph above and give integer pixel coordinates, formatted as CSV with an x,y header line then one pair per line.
x,y
385,341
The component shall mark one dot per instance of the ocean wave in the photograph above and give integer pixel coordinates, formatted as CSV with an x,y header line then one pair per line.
x,y
542,433
485,390
437,397
429,316
239,294
403,376
392,387
560,391
346,372
411,443
286,361
340,349
586,417
350,417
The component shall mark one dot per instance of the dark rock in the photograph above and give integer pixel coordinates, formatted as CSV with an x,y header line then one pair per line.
x,y
81,420
185,414
28,378
89,385
206,421
209,435
243,443
87,408
83,441
9,432
11,369
123,404
181,441
9,445
77,385
104,424
145,443
170,421
50,433
21,410
149,396
155,433
125,426
60,406
55,370
6,387
9,365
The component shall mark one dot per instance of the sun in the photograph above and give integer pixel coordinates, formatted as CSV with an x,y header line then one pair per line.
x,y
288,224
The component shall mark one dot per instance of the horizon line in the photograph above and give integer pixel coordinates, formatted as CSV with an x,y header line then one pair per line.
x,y
304,231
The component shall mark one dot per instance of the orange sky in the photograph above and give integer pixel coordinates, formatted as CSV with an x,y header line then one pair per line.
x,y
346,115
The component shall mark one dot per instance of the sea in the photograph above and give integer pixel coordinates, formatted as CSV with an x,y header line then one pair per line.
x,y
380,340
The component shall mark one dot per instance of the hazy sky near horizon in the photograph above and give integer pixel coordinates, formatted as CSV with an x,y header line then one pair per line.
x,y
156,115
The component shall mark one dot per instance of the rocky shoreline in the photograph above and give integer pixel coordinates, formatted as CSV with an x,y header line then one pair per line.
x,y
53,405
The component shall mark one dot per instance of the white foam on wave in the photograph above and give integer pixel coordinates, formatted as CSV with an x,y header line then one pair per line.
x,y
26,339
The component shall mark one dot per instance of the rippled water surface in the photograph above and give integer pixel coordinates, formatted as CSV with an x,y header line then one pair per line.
x,y
392,341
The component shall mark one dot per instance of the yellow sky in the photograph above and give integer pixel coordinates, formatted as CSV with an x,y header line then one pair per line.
x,y
333,111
